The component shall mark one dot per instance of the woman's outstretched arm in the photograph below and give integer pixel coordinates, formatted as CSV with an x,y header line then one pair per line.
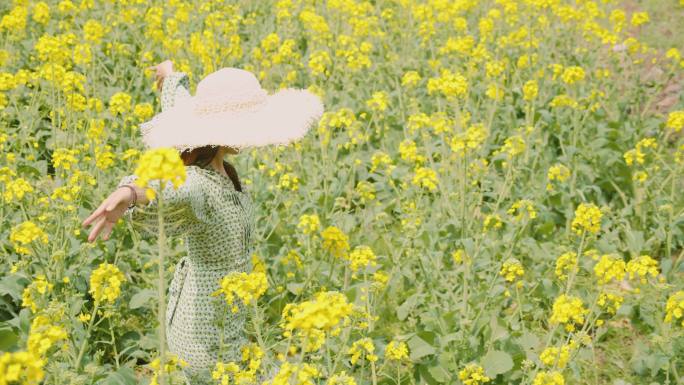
x,y
111,209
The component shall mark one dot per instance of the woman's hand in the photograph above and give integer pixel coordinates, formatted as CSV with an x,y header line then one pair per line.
x,y
109,212
162,69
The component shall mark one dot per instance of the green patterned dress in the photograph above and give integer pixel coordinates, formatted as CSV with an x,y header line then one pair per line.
x,y
216,222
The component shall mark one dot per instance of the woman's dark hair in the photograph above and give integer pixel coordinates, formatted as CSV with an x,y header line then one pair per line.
x,y
201,156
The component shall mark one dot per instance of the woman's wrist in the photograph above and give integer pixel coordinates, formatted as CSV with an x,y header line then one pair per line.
x,y
133,195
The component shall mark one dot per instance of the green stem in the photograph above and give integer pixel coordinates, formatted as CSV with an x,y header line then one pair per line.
x,y
85,339
257,327
161,293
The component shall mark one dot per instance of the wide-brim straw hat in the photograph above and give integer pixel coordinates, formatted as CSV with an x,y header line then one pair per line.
x,y
230,108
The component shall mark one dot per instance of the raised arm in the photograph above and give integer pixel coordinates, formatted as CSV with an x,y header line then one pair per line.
x,y
175,86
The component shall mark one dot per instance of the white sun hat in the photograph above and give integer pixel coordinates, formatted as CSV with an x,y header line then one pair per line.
x,y
230,108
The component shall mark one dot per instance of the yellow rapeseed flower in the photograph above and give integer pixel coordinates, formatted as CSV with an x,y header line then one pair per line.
x,y
247,287
641,267
335,241
609,302
396,351
530,90
609,267
21,367
511,270
361,257
674,308
587,218
24,234
675,120
565,264
309,224
553,356
549,378
105,283
160,164
569,311
520,208
473,374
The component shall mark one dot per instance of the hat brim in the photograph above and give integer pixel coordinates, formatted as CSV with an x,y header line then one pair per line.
x,y
285,116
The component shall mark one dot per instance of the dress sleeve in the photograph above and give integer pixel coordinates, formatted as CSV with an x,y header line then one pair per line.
x,y
179,206
175,86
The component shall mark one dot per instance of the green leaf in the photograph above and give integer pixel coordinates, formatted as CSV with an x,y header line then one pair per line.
x,y
140,298
439,373
10,285
123,376
7,337
419,348
405,308
496,362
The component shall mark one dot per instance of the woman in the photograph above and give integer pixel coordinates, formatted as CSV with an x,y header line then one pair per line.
x,y
212,210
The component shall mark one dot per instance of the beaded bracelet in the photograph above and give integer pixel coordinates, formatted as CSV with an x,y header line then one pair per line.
x,y
135,194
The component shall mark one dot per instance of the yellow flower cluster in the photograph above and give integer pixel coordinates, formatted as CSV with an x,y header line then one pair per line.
x,y
408,151
675,120
568,310
587,218
448,84
557,172
637,154
163,164
224,372
425,177
311,319
39,287
530,90
609,302
511,270
247,287
361,257
341,378
491,221
362,348
24,234
105,283
565,264
464,143
16,189
320,63
641,267
335,241
513,145
303,373
43,337
171,364
674,308
410,79
549,378
572,74
473,374
120,103
253,354
553,356
609,267
365,190
308,224
396,351
378,102
639,18
521,207
21,368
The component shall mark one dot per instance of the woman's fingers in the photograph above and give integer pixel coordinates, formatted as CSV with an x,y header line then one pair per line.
x,y
97,228
95,214
107,229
